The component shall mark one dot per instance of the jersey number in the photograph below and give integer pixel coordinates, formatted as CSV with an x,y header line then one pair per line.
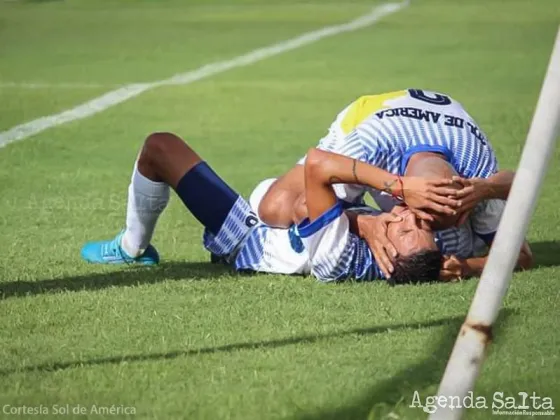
x,y
437,99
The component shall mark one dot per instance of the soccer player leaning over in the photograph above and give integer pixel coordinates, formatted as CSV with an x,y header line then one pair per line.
x,y
234,233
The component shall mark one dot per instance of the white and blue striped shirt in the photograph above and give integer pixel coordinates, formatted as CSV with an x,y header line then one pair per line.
x,y
418,121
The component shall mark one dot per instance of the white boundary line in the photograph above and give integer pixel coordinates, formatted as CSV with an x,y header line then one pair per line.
x,y
127,92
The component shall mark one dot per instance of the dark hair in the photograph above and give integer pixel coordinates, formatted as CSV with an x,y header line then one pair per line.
x,y
421,267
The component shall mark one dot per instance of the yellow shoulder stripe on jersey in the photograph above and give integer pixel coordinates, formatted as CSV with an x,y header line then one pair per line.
x,y
364,106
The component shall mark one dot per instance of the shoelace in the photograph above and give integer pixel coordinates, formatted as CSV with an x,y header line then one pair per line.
x,y
116,250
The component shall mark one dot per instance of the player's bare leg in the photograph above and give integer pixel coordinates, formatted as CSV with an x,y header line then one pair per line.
x,y
165,161
277,206
166,158
162,162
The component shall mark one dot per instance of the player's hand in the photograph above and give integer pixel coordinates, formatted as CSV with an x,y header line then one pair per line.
x,y
430,194
472,192
374,230
452,269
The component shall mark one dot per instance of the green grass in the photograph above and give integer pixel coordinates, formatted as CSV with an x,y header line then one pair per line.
x,y
190,340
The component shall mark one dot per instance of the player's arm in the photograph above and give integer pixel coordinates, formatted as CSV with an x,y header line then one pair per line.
x,y
499,185
454,268
475,266
323,169
331,235
300,214
476,190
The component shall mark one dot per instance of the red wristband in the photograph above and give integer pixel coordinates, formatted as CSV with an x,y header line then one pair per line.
x,y
401,187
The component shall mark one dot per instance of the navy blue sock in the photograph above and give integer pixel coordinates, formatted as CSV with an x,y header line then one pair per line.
x,y
207,196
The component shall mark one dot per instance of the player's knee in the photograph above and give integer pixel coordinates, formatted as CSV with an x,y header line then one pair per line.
x,y
276,208
272,211
157,148
159,144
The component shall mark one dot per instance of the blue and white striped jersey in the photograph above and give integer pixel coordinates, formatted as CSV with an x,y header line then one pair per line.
x,y
386,130
336,253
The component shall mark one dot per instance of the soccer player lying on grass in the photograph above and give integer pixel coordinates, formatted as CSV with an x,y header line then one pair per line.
x,y
232,230
396,131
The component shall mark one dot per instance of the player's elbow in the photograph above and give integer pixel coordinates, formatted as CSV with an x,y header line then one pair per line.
x,y
315,165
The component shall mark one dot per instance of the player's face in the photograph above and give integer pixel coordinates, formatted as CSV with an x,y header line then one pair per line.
x,y
411,234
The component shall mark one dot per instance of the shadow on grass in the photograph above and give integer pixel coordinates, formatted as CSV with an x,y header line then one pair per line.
x,y
379,400
128,276
546,253
452,325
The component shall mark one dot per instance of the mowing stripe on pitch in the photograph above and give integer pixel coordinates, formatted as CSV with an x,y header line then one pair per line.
x,y
127,92
43,85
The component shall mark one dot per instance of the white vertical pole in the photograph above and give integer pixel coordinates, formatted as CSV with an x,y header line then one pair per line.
x,y
469,351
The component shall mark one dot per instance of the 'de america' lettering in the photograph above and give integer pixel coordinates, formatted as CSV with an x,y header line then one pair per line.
x,y
410,112
434,117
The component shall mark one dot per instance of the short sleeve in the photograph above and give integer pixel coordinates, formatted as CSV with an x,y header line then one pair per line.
x,y
486,218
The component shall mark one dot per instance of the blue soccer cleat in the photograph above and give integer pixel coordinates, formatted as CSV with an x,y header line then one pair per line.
x,y
111,252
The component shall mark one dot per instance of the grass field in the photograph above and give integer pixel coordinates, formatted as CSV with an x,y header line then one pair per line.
x,y
190,340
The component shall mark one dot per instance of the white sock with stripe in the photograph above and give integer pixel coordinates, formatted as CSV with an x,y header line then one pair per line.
x,y
146,201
